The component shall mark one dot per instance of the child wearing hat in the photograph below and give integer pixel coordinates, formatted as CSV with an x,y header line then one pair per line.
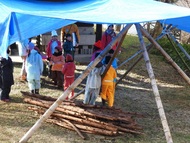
x,y
57,61
34,69
69,73
54,42
97,49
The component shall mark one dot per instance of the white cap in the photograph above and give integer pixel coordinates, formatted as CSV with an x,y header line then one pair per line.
x,y
53,33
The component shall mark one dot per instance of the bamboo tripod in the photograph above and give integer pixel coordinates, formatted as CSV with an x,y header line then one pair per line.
x,y
119,38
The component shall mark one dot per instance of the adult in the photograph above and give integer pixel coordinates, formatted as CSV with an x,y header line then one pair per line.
x,y
23,53
108,36
6,77
54,42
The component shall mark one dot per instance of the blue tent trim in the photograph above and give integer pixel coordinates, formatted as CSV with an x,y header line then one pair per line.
x,y
21,19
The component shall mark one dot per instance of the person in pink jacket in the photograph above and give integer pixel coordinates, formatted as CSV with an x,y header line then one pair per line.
x,y
108,36
54,42
69,73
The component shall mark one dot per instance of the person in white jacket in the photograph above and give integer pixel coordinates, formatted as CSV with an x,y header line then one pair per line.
x,y
23,53
34,69
93,84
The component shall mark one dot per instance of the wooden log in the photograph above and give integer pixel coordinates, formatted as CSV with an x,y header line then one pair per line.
x,y
75,114
47,98
95,130
94,123
77,130
118,128
75,111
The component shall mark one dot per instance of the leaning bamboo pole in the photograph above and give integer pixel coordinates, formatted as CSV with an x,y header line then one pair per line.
x,y
154,87
136,62
170,60
52,108
174,47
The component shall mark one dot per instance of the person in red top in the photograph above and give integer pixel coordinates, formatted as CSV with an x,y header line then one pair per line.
x,y
69,73
54,42
108,36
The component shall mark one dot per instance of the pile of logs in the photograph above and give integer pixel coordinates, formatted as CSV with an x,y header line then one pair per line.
x,y
85,118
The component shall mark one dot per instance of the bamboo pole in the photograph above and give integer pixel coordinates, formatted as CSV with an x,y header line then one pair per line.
x,y
179,45
136,62
179,70
169,38
154,87
75,128
45,116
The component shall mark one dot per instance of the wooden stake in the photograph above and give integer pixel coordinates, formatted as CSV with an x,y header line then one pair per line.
x,y
179,70
154,87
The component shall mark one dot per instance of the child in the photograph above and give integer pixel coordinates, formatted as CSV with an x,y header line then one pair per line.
x,y
69,73
97,49
108,85
68,46
34,68
115,60
93,83
57,61
6,78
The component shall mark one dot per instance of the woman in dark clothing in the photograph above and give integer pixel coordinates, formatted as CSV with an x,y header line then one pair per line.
x,y
6,78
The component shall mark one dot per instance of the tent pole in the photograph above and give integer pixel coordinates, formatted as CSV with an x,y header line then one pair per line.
x,y
73,86
154,87
130,58
179,45
136,62
180,71
168,36
131,67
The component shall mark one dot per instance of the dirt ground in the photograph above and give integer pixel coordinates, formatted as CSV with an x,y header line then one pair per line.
x,y
133,94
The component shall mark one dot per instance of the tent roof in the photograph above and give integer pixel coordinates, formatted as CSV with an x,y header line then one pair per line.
x,y
21,19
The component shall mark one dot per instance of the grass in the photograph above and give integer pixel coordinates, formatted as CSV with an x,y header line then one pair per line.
x,y
133,94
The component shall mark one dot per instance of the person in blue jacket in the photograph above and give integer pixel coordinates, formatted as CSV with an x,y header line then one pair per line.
x,y
115,60
34,69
